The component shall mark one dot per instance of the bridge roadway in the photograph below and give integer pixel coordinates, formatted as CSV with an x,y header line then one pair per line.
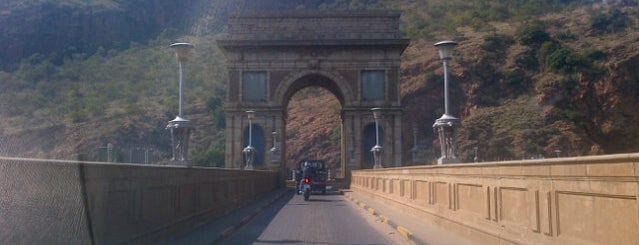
x,y
333,218
287,218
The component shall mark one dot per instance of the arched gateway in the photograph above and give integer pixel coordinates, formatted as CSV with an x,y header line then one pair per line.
x,y
355,55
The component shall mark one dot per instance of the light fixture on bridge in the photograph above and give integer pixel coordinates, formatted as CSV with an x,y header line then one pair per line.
x,y
415,149
275,151
446,126
180,126
476,158
377,149
249,150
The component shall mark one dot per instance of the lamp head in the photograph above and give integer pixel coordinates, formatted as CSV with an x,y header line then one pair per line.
x,y
182,50
250,114
446,49
377,112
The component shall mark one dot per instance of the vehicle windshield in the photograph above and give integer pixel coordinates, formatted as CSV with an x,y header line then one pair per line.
x,y
311,163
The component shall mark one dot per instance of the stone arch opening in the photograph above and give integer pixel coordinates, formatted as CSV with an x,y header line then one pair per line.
x,y
315,135
312,80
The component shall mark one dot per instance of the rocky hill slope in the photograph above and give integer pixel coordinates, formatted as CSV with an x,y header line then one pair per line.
x,y
530,79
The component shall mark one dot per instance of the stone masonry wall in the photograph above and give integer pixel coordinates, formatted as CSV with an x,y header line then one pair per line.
x,y
581,200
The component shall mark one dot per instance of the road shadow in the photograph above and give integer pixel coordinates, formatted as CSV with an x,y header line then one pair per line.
x,y
263,219
319,199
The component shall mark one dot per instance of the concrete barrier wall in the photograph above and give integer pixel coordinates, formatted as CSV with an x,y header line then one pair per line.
x,y
64,202
41,203
582,200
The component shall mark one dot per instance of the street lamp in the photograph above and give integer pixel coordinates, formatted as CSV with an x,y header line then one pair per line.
x,y
182,53
180,126
558,152
377,149
351,146
275,151
415,149
476,158
446,126
249,150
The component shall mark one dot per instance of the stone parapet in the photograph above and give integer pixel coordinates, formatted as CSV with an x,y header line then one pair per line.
x,y
580,200
71,202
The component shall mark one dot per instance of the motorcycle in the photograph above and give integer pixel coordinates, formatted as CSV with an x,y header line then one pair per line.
x,y
306,188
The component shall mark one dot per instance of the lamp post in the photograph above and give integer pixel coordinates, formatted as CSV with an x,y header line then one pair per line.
x,y
558,152
180,126
249,150
377,149
275,151
446,126
476,158
415,149
351,146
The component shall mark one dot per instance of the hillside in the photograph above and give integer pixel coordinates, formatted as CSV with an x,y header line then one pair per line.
x,y
530,78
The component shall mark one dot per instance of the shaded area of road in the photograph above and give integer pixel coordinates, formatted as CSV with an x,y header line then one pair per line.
x,y
216,230
325,219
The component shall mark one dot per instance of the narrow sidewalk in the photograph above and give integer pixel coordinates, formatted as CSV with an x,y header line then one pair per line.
x,y
421,232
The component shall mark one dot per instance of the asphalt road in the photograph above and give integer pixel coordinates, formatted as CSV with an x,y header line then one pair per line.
x,y
324,219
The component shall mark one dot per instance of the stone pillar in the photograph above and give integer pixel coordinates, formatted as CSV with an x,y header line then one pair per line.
x,y
230,140
397,137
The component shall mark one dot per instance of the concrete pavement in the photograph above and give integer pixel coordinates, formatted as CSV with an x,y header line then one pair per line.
x,y
416,230
324,219
215,231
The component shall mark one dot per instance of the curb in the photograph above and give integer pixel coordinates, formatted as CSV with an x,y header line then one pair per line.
x,y
384,219
232,229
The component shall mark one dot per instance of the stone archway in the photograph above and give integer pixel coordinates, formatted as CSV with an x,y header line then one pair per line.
x,y
355,55
325,79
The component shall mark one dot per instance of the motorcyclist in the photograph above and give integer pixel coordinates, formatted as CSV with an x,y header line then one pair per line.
x,y
307,172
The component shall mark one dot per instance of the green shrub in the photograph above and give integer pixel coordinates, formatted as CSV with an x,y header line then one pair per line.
x,y
595,54
566,35
212,157
527,61
473,18
499,12
415,28
567,84
517,80
214,105
336,134
533,34
496,43
560,59
612,22
564,60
